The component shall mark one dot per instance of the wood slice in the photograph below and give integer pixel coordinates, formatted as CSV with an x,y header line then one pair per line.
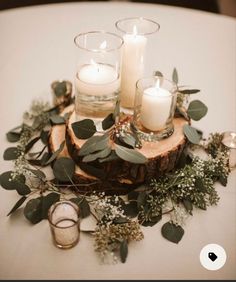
x,y
119,176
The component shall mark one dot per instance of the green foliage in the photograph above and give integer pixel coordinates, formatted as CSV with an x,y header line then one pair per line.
x,y
82,203
130,155
108,122
60,89
94,144
175,77
197,110
84,129
190,185
192,134
11,154
123,251
64,169
18,204
172,232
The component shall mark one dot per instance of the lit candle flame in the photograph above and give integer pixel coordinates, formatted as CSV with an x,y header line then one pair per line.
x,y
103,45
135,31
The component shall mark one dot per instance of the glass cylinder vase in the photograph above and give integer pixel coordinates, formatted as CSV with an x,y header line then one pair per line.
x,y
97,81
64,220
135,34
154,108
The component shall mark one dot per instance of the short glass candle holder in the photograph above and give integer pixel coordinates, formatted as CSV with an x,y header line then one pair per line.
x,y
154,108
64,220
229,141
136,32
97,81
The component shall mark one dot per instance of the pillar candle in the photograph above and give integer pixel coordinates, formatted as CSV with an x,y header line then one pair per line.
x,y
155,108
132,66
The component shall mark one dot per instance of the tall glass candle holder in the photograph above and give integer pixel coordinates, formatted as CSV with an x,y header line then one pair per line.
x,y
154,108
64,222
97,80
135,34
229,141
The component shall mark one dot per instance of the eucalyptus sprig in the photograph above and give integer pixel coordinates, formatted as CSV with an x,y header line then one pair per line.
x,y
119,219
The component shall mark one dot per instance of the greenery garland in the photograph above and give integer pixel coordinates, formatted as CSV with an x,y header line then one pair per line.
x,y
119,219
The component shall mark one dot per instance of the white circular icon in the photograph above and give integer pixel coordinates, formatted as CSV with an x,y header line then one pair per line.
x,y
212,257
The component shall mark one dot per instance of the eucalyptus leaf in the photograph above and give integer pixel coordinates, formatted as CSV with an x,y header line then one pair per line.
x,y
57,119
128,139
60,89
158,73
47,202
38,173
172,232
188,206
46,156
13,136
11,153
22,189
154,220
55,154
123,251
83,205
93,144
8,183
64,169
120,220
44,136
111,157
116,113
141,200
108,121
100,154
84,129
175,76
223,180
197,110
191,133
131,209
17,205
130,155
189,91
31,144
33,210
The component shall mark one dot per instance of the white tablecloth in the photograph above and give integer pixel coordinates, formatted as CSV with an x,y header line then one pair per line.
x,y
37,48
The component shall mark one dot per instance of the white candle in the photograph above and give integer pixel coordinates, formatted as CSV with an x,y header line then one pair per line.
x,y
97,79
155,108
132,66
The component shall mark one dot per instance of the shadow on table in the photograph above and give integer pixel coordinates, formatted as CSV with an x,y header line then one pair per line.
x,y
206,5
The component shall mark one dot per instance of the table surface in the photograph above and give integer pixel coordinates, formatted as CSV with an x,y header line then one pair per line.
x,y
37,48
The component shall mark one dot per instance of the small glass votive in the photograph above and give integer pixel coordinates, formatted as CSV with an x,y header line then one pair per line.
x,y
97,81
154,108
136,32
229,141
64,222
